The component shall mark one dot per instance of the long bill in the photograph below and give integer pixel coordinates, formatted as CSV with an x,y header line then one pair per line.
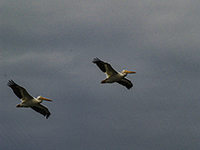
x,y
46,99
126,71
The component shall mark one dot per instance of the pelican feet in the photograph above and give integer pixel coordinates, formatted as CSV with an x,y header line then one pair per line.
x,y
19,105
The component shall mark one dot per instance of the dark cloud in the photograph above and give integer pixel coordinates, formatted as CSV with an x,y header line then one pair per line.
x,y
48,47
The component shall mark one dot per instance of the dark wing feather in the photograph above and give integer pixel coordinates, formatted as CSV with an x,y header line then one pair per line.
x,y
19,91
15,88
105,67
42,110
100,64
126,82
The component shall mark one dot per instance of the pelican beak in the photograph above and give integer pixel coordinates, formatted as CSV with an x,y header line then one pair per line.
x,y
46,99
126,71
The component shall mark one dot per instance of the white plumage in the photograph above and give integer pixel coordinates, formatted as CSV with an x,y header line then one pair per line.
x,y
112,75
28,100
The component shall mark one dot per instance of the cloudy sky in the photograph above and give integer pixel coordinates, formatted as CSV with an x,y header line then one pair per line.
x,y
48,46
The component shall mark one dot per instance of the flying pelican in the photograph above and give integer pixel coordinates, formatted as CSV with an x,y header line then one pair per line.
x,y
28,100
112,75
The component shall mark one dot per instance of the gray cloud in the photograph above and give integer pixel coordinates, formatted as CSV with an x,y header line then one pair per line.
x,y
48,47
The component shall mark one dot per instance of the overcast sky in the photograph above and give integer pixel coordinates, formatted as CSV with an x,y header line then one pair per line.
x,y
48,47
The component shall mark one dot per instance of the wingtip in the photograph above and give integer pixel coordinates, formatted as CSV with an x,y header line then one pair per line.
x,y
96,59
47,116
129,87
10,82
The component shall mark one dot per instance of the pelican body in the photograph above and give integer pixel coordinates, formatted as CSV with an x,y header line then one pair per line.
x,y
28,100
112,75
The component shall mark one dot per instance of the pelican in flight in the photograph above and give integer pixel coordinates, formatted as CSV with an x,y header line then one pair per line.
x,y
112,75
28,100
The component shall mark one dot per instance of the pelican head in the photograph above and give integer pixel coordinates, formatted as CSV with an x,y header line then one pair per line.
x,y
43,98
125,72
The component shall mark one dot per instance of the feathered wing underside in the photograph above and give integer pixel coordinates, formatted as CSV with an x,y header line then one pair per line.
x,y
109,70
19,91
125,82
105,67
100,64
42,110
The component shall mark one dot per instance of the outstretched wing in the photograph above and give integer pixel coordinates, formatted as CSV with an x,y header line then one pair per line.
x,y
19,91
125,82
105,67
42,110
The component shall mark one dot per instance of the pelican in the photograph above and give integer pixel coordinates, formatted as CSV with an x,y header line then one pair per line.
x,y
28,100
112,75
